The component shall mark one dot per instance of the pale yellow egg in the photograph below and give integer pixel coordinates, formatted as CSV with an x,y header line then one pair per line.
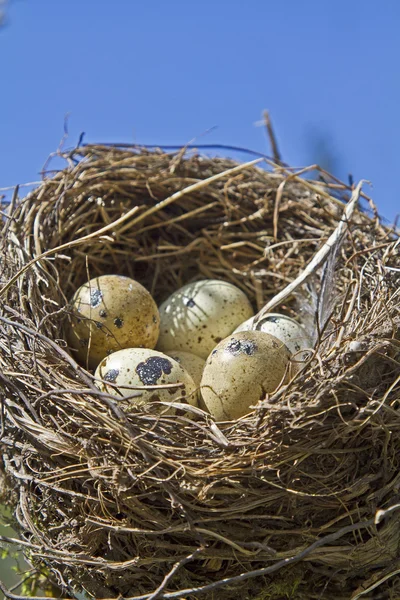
x,y
109,313
240,371
123,371
193,364
198,316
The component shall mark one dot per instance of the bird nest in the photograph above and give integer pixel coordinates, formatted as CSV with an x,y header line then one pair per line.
x,y
296,500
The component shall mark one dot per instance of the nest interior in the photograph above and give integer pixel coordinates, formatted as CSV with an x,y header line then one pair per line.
x,y
279,504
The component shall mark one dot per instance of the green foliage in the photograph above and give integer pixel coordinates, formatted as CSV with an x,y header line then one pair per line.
x,y
282,587
4,553
33,581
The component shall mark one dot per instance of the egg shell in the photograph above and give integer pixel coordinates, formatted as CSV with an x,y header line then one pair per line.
x,y
140,367
198,316
289,331
240,371
193,364
109,313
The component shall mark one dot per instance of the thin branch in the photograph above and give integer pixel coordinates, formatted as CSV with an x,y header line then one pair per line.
x,y
317,260
157,593
376,584
272,138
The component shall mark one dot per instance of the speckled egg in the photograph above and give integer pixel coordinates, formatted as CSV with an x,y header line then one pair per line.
x,y
193,364
109,313
240,371
289,331
140,367
199,315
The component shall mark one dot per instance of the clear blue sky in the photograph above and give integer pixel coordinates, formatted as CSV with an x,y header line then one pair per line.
x,y
166,71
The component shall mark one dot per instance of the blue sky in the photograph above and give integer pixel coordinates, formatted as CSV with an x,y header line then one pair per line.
x,y
165,72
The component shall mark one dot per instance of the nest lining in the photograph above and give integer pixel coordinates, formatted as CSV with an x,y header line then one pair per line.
x,y
118,504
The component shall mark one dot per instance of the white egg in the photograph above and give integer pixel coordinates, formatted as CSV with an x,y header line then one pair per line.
x,y
241,371
109,313
199,315
289,331
141,367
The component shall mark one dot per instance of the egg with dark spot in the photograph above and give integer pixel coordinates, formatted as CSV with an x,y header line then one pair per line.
x,y
289,331
133,371
197,316
241,370
111,375
115,312
152,369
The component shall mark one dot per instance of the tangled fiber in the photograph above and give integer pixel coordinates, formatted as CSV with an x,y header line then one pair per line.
x,y
296,500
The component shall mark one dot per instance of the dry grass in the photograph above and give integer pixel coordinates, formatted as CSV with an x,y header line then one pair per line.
x,y
281,504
